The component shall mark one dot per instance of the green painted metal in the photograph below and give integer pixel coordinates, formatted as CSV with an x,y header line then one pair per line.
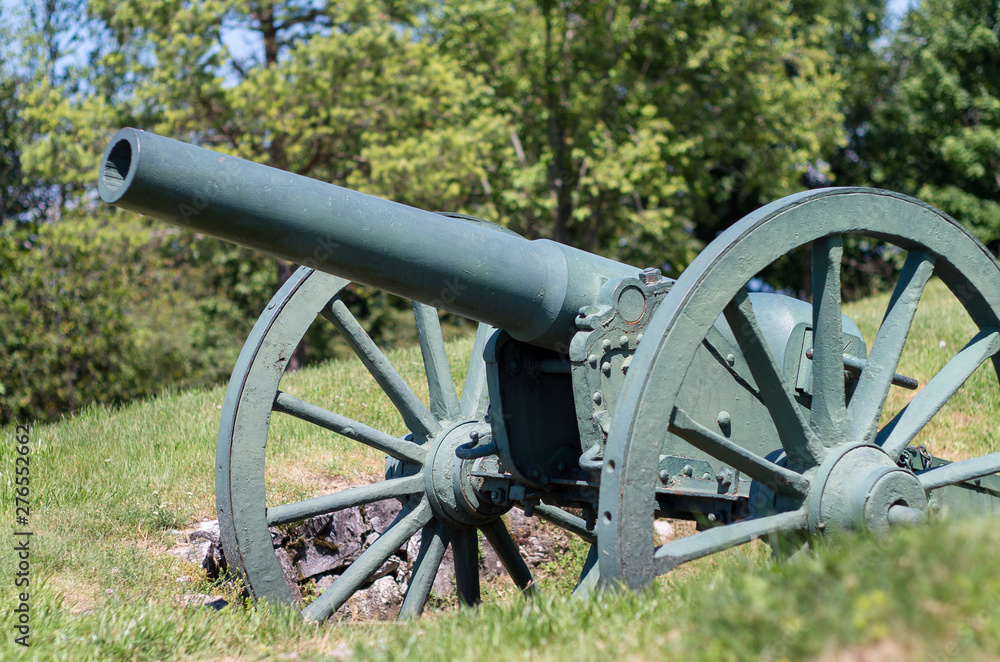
x,y
592,385
436,488
532,289
824,473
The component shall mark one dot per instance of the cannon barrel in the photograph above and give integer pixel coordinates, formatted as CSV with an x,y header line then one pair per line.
x,y
532,289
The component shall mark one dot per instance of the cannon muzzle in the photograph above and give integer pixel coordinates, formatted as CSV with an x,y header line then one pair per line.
x,y
532,289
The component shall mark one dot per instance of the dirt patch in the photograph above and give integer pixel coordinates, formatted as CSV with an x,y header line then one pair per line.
x,y
314,553
79,597
887,650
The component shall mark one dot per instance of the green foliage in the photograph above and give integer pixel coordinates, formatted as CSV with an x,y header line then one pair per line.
x,y
92,311
935,132
638,124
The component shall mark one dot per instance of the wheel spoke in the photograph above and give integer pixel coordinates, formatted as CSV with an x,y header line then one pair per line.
x,y
956,472
801,444
568,521
499,538
669,556
433,544
407,523
443,401
417,417
400,449
465,545
770,474
828,412
901,430
876,378
473,403
349,498
590,575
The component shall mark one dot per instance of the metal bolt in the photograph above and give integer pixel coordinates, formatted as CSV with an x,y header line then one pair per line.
x,y
496,496
650,275
664,476
687,470
706,476
724,478
712,517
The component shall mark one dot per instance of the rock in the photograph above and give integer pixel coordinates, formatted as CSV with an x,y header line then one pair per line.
x,y
380,601
327,544
318,550
663,531
185,552
381,513
208,530
201,547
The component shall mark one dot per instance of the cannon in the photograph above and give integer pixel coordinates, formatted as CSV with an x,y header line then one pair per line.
x,y
600,396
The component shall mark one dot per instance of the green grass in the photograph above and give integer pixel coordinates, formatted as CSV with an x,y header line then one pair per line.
x,y
109,486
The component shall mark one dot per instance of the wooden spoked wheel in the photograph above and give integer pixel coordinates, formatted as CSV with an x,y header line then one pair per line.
x,y
838,464
422,471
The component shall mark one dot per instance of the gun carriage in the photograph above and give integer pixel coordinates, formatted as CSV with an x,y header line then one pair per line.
x,y
600,396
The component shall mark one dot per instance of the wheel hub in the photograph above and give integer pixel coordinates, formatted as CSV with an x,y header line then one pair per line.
x,y
861,487
454,492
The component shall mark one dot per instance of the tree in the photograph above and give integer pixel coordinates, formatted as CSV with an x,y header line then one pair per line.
x,y
641,129
343,93
935,131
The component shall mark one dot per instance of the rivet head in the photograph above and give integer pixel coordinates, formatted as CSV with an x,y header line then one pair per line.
x,y
598,398
724,419
592,360
606,368
664,476
623,341
606,344
731,359
687,470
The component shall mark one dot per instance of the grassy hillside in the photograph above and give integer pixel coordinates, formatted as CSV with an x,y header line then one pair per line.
x,y
110,487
